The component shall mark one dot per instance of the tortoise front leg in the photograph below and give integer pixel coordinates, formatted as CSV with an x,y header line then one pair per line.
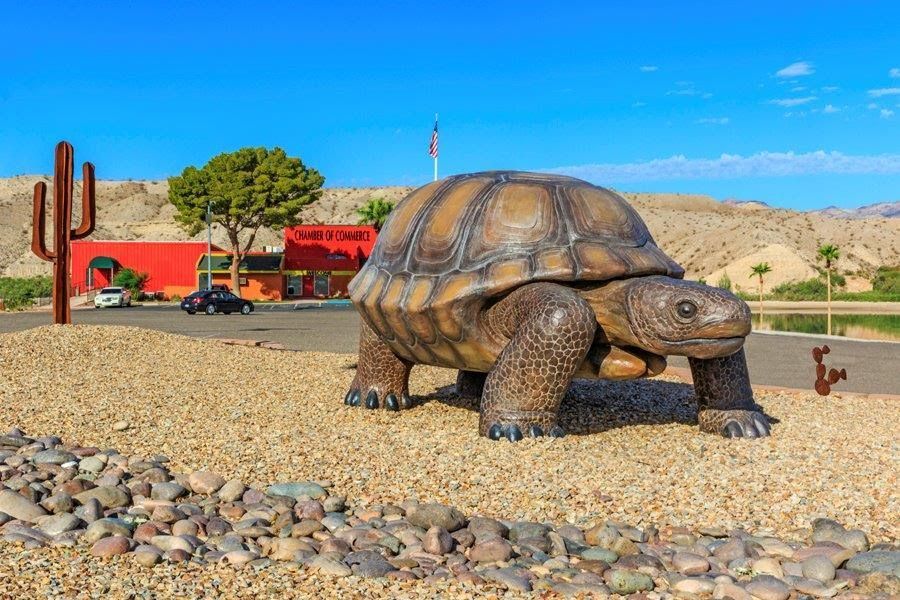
x,y
550,328
725,399
382,377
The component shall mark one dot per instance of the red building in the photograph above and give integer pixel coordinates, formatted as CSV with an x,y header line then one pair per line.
x,y
170,265
320,260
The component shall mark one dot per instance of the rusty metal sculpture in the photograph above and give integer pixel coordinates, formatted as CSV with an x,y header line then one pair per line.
x,y
62,224
824,384
522,281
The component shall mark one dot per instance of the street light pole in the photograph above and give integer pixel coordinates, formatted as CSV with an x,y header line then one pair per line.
x,y
209,245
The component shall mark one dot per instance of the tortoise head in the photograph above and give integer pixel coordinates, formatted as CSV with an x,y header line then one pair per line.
x,y
668,316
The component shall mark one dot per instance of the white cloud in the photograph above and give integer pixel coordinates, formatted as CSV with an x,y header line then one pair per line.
x,y
649,68
878,93
734,166
796,69
830,109
894,73
830,88
713,121
798,88
788,102
886,113
872,106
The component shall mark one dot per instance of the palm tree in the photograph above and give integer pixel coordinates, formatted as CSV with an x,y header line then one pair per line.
x,y
375,212
829,253
758,271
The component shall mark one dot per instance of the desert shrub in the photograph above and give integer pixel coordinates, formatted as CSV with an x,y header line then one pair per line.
x,y
811,289
887,280
724,282
131,280
18,292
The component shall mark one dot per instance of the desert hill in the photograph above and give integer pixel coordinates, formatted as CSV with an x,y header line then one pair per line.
x,y
708,237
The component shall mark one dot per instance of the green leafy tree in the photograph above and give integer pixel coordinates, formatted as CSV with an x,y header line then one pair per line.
x,y
375,212
246,189
131,280
758,271
829,253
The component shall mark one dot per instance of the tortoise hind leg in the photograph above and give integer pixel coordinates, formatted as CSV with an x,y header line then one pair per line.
x,y
725,399
550,328
382,378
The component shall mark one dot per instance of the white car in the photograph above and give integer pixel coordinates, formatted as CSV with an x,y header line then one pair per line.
x,y
112,296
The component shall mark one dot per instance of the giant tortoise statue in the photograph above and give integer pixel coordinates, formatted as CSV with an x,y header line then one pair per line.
x,y
523,281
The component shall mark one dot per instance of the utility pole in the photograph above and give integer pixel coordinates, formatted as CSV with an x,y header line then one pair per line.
x,y
209,245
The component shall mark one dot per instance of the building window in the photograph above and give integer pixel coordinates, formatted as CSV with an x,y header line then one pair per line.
x,y
294,285
320,285
242,281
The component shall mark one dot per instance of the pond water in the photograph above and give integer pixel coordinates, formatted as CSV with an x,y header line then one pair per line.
x,y
867,327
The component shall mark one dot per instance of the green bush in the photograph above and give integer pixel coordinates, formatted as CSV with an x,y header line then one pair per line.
x,y
724,282
887,280
811,289
18,292
131,280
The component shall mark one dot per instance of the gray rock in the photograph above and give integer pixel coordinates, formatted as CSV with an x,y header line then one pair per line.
x,y
766,587
168,490
622,581
53,457
695,585
91,464
509,578
597,553
818,568
297,490
232,490
19,507
330,566
690,563
884,561
111,546
107,496
523,530
172,542
334,521
491,550
855,540
334,504
373,568
56,524
483,526
205,482
102,528
60,502
147,555
431,515
437,540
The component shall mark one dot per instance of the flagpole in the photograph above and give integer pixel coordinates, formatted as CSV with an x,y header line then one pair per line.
x,y
435,155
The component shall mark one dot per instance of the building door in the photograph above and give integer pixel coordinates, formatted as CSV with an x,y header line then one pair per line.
x,y
321,285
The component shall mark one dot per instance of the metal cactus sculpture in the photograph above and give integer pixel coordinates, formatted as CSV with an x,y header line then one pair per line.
x,y
62,224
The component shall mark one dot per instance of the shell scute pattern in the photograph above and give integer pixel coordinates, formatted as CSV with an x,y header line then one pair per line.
x,y
456,242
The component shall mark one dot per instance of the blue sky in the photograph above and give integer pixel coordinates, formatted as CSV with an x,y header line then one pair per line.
x,y
793,103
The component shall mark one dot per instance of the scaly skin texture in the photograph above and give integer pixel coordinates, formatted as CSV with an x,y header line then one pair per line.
x,y
725,399
550,329
382,378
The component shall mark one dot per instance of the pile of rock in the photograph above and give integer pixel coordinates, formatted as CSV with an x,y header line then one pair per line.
x,y
56,494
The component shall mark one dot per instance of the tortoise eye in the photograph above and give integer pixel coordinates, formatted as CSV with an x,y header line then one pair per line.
x,y
686,309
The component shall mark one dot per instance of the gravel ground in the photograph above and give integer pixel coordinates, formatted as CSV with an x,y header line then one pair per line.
x,y
633,454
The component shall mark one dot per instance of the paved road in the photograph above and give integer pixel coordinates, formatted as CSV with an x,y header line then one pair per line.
x,y
782,360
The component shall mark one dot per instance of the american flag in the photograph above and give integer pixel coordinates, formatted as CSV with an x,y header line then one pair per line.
x,y
432,148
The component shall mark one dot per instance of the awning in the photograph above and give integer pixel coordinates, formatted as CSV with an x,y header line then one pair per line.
x,y
102,262
261,262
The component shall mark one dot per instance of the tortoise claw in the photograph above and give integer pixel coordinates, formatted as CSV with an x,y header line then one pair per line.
x,y
732,430
557,431
372,399
513,433
495,432
391,403
535,431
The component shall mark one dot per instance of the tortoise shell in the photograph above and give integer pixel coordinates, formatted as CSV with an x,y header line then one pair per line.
x,y
468,238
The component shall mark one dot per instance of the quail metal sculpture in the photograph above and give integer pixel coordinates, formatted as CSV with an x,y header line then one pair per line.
x,y
522,281
62,224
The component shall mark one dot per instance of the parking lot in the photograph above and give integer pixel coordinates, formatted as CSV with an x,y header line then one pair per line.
x,y
781,360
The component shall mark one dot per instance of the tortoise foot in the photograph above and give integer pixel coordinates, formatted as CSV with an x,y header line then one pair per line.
x,y
371,400
734,423
514,429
